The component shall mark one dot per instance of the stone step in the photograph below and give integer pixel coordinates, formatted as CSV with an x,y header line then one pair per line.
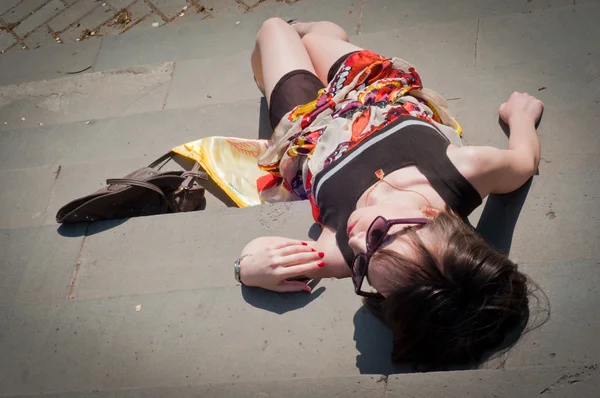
x,y
557,381
71,322
223,37
472,51
548,210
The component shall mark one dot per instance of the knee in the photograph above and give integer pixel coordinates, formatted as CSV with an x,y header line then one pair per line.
x,y
310,38
271,25
330,29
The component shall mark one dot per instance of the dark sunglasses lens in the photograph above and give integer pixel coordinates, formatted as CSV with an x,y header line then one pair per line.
x,y
359,270
377,233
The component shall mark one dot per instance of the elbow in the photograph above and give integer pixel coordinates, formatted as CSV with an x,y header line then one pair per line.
x,y
535,164
527,164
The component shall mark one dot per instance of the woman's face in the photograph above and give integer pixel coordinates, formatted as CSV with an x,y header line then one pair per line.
x,y
360,221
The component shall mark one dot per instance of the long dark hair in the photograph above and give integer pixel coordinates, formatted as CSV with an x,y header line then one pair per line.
x,y
452,303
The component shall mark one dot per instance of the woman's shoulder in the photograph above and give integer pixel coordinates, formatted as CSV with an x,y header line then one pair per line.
x,y
479,165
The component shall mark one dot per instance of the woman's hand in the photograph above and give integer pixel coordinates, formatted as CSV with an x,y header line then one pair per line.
x,y
271,261
521,106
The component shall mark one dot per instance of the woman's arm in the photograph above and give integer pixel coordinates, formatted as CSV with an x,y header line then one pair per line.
x,y
492,170
269,262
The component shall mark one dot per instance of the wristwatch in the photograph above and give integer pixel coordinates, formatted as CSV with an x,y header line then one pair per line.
x,y
236,268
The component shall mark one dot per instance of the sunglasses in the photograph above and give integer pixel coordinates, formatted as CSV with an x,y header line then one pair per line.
x,y
376,235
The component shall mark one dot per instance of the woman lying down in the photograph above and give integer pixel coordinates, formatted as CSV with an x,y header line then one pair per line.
x,y
381,162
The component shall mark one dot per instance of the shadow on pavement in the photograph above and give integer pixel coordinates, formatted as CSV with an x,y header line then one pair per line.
x,y
88,229
501,212
499,218
72,230
280,303
374,344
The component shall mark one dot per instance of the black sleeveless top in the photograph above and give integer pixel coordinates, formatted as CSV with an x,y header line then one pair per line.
x,y
408,141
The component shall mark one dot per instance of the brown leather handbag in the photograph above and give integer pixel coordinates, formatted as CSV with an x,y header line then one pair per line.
x,y
144,192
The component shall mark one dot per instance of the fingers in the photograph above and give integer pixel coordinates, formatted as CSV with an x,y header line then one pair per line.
x,y
296,255
286,286
292,249
284,242
295,271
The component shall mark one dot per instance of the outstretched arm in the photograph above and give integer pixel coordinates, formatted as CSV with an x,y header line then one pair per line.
x,y
493,170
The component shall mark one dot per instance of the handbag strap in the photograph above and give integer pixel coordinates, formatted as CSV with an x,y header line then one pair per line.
x,y
161,159
143,184
191,176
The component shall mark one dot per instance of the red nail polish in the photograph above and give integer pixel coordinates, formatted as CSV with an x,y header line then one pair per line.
x,y
304,244
321,254
312,250
321,264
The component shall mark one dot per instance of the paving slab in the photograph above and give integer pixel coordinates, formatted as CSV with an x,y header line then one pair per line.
x,y
39,17
383,15
150,22
119,4
79,9
170,8
567,337
21,10
37,263
139,10
553,381
7,5
507,39
6,40
193,15
200,244
87,24
219,335
559,206
222,335
351,387
514,223
41,37
325,387
23,66
84,97
195,82
147,135
25,196
223,8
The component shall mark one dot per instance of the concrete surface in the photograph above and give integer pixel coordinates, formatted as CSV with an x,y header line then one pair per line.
x,y
68,295
579,381
69,21
85,97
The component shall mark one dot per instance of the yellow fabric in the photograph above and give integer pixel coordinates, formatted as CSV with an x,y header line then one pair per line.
x,y
232,163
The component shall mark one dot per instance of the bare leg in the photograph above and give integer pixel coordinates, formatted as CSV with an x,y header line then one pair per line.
x,y
323,27
324,50
278,50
